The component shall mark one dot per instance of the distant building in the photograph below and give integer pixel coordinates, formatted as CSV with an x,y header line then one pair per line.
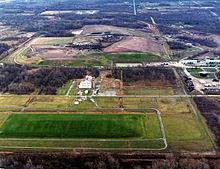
x,y
212,62
190,62
86,83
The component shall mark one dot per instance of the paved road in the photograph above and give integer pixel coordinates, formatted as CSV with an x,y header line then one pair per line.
x,y
129,96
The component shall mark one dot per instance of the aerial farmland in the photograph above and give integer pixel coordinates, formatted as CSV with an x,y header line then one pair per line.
x,y
109,84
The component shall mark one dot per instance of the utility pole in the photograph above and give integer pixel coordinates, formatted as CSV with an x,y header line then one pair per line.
x,y
135,11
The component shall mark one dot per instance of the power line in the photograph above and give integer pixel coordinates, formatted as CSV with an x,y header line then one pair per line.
x,y
135,11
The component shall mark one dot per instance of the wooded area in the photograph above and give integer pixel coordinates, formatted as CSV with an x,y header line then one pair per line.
x,y
145,73
25,80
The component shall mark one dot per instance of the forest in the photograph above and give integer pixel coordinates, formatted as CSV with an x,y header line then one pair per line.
x,y
104,161
25,80
210,110
177,45
4,47
203,42
145,73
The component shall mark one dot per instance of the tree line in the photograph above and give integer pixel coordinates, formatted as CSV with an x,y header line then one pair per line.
x,y
177,45
202,41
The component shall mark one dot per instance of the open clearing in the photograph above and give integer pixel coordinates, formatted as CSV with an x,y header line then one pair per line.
x,y
52,40
144,91
164,105
84,126
51,103
54,53
12,101
183,131
88,29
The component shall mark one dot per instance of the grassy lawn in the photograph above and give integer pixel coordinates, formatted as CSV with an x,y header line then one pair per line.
x,y
61,103
132,57
118,126
148,91
48,102
63,90
3,117
194,70
74,91
72,63
70,145
209,76
21,57
182,127
213,70
173,105
107,102
12,101
184,132
139,102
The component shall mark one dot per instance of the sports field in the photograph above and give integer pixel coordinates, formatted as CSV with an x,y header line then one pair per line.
x,y
81,126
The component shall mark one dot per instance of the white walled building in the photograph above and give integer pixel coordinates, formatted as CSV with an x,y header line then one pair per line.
x,y
190,62
86,83
212,62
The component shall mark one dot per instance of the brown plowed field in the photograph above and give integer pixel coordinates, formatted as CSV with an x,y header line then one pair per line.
x,y
135,45
55,54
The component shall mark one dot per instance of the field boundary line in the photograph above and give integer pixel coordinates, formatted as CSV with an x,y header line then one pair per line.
x,y
80,148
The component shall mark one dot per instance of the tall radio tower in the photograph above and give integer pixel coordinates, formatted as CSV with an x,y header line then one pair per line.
x,y
135,11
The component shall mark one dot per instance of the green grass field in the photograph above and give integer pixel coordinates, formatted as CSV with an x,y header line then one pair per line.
x,y
168,105
50,102
72,63
185,133
196,72
83,126
3,118
63,90
213,70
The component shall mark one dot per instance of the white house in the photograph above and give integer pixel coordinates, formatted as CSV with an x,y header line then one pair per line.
x,y
86,83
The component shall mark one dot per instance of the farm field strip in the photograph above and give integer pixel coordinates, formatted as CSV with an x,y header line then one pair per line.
x,y
154,142
183,132
53,103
